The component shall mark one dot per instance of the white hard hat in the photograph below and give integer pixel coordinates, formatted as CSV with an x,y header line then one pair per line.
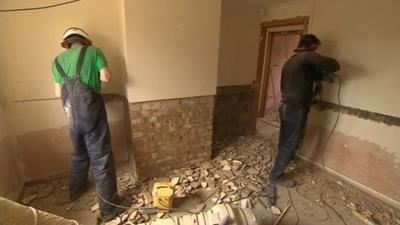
x,y
66,43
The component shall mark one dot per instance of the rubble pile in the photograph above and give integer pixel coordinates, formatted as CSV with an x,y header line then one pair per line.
x,y
237,173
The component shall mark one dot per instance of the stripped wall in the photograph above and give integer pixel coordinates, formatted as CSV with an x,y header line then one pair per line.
x,y
33,40
365,41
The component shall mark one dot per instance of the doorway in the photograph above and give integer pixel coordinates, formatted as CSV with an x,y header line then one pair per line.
x,y
279,39
283,45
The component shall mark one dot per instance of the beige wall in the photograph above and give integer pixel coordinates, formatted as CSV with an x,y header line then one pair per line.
x,y
33,39
172,48
239,40
31,43
365,41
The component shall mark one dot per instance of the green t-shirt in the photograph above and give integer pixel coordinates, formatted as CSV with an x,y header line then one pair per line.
x,y
93,62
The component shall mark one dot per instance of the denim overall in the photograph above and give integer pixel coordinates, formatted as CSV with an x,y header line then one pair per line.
x,y
90,137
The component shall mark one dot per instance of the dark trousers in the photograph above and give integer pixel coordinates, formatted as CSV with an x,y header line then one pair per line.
x,y
293,120
92,147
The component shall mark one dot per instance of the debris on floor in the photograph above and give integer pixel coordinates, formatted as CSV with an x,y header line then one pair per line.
x,y
275,210
27,200
235,176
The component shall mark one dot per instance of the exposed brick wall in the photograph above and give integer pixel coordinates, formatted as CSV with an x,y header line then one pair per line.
x,y
170,134
232,111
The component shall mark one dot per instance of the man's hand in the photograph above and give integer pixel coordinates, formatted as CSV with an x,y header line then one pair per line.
x,y
105,75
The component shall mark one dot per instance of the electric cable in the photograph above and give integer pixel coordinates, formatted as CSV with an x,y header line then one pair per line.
x,y
140,209
323,161
302,194
112,204
295,210
40,7
323,156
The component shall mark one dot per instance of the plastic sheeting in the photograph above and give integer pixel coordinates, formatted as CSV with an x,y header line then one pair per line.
x,y
12,213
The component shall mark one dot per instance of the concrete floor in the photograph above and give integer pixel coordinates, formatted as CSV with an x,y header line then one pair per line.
x,y
305,198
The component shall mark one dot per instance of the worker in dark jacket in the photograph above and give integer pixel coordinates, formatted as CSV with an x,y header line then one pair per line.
x,y
78,73
300,74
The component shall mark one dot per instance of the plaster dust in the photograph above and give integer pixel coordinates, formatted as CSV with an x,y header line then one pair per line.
x,y
305,196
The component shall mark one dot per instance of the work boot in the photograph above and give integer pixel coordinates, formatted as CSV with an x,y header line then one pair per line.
x,y
110,216
124,203
73,196
284,183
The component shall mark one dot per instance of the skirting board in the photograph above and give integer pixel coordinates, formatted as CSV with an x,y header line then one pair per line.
x,y
356,184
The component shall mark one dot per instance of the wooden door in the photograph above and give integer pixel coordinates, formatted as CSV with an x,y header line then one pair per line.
x,y
282,48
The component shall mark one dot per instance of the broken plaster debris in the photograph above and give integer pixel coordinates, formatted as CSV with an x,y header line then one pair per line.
x,y
175,181
232,175
364,218
70,207
238,171
28,200
275,210
95,207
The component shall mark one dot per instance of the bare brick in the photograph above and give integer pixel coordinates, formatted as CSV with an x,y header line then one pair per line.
x,y
170,134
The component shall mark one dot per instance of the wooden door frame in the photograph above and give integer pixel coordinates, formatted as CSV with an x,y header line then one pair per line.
x,y
264,54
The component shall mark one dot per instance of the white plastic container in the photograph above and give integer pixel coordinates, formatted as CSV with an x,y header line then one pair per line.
x,y
236,216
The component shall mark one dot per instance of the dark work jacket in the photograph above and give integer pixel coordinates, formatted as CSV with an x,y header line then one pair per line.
x,y
299,74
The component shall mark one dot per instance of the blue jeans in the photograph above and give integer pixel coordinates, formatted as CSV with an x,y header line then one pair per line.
x,y
293,120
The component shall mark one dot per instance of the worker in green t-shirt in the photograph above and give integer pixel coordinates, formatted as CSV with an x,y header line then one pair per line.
x,y
78,73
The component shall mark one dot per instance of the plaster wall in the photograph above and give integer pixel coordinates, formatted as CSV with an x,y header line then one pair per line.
x,y
366,45
239,40
172,48
30,44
